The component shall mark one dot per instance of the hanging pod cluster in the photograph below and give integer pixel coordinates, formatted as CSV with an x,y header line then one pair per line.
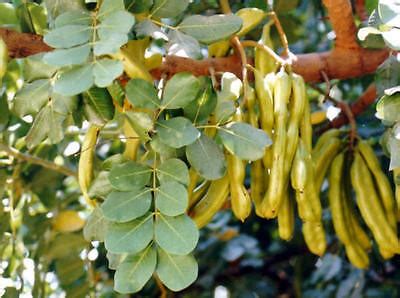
x,y
374,198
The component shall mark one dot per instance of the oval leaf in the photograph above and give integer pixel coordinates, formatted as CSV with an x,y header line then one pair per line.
x,y
75,80
244,141
177,235
172,199
123,206
168,8
142,94
173,170
98,106
134,272
177,132
207,158
209,29
129,176
180,90
68,36
176,272
130,237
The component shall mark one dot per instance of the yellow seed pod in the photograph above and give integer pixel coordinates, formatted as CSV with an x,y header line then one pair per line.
x,y
85,167
3,58
68,221
318,117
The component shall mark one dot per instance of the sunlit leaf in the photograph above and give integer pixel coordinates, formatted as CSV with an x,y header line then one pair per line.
x,y
177,132
177,235
129,176
123,206
176,272
134,272
130,237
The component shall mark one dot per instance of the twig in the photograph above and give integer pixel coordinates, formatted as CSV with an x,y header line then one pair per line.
x,y
281,33
38,161
163,290
225,7
239,47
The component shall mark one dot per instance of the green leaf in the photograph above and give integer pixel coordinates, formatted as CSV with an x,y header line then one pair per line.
x,y
388,108
392,39
176,272
106,70
135,271
4,115
371,37
110,45
65,245
98,106
168,8
48,123
32,18
387,75
96,226
65,57
183,45
69,269
117,93
142,94
394,148
251,18
177,235
32,97
207,158
34,68
114,260
180,90
138,6
171,199
75,80
177,132
100,187
68,36
8,16
76,17
117,22
165,151
244,141
141,122
209,29
130,237
389,12
55,8
123,206
173,170
224,111
108,7
201,108
129,176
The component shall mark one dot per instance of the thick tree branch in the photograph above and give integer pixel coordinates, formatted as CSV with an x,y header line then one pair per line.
x,y
37,161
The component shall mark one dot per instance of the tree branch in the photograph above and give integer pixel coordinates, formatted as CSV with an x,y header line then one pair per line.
x,y
37,161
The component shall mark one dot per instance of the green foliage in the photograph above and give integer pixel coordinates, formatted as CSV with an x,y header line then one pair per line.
x,y
155,139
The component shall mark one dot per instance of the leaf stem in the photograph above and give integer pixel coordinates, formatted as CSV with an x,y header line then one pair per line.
x,y
38,161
